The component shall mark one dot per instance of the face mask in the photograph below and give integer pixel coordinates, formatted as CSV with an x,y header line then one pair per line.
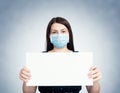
x,y
59,40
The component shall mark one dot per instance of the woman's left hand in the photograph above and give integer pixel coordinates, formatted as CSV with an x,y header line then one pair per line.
x,y
95,74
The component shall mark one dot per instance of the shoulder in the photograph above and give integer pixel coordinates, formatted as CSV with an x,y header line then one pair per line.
x,y
44,51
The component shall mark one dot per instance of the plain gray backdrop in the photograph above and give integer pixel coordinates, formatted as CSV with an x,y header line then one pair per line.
x,y
95,25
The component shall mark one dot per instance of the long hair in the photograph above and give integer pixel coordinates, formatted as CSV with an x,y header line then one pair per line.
x,y
49,45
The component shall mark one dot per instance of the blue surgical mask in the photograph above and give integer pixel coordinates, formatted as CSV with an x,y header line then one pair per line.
x,y
59,40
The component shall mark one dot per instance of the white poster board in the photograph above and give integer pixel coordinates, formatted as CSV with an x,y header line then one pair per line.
x,y
59,69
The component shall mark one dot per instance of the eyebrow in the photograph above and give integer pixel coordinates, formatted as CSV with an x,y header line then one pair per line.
x,y
64,29
60,29
53,30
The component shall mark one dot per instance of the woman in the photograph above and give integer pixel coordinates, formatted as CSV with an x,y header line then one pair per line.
x,y
59,38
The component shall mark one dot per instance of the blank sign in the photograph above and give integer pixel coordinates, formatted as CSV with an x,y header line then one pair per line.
x,y
59,69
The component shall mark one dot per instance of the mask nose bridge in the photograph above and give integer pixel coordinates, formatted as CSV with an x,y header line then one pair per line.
x,y
58,36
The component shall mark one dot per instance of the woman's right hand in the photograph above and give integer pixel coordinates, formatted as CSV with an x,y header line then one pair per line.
x,y
25,74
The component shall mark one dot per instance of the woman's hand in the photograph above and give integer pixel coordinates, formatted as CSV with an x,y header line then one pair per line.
x,y
95,74
25,74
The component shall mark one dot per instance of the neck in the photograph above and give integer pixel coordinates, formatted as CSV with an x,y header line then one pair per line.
x,y
65,49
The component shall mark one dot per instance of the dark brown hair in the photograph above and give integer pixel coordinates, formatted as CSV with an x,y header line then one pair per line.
x,y
49,45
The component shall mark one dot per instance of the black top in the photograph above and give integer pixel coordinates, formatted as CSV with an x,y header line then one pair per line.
x,y
59,89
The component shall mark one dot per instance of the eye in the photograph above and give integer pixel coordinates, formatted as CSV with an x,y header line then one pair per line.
x,y
53,32
63,31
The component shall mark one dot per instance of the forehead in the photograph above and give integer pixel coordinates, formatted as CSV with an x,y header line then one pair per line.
x,y
58,26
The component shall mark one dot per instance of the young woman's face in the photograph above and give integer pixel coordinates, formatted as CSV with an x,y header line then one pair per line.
x,y
59,35
58,28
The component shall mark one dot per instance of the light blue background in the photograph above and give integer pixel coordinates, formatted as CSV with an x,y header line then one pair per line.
x,y
96,28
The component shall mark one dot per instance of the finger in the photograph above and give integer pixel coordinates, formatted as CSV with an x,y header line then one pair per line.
x,y
97,79
92,68
92,71
24,76
24,80
96,75
90,74
26,73
95,71
26,69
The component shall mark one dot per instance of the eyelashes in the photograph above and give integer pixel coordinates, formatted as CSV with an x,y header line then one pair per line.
x,y
56,32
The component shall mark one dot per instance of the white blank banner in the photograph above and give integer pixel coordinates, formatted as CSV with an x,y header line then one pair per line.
x,y
59,69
